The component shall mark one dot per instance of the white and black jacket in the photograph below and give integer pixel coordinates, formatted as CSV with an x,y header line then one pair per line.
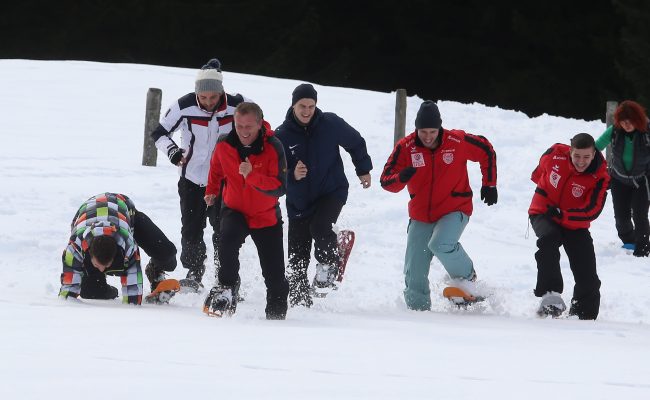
x,y
200,130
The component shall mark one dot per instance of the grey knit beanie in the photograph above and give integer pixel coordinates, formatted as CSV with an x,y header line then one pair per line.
x,y
209,78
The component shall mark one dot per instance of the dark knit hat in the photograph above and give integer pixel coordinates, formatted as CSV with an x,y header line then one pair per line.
x,y
303,91
209,78
428,116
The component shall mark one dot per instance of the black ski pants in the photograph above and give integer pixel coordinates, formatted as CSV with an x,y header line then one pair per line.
x,y
270,250
150,239
194,212
579,247
630,205
319,228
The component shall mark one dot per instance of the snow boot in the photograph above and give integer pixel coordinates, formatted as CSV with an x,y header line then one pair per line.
x,y
551,305
642,247
276,309
154,275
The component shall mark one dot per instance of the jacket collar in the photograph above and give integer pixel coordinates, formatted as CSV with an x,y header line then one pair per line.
x,y
255,148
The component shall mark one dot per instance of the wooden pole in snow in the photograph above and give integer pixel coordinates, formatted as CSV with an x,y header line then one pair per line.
x,y
400,115
609,121
151,118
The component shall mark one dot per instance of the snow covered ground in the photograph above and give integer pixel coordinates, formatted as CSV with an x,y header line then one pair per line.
x,y
74,129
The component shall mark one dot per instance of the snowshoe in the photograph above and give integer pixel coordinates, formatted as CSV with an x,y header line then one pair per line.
x,y
164,291
460,297
551,305
192,282
328,277
222,301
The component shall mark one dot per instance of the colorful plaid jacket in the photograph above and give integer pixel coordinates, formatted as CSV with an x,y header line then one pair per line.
x,y
105,214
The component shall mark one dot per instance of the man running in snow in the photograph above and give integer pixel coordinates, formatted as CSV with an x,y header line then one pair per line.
x,y
317,187
201,116
431,163
106,232
572,184
249,164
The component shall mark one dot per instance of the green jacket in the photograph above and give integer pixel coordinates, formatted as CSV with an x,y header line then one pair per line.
x,y
628,149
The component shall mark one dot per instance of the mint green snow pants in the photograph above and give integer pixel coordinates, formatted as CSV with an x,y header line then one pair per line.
x,y
426,240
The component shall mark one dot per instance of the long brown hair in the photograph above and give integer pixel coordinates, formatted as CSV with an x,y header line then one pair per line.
x,y
633,112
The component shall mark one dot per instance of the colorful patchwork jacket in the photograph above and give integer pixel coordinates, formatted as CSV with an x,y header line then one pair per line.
x,y
105,214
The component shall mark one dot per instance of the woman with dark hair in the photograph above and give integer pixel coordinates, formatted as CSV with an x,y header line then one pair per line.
x,y
629,168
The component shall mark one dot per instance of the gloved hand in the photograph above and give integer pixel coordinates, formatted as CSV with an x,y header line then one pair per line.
x,y
642,248
175,155
553,212
489,195
406,174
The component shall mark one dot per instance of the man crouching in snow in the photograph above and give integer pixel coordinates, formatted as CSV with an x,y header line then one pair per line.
x,y
106,232
572,184
432,163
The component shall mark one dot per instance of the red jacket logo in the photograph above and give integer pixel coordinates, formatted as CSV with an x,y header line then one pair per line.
x,y
577,190
448,158
417,159
554,178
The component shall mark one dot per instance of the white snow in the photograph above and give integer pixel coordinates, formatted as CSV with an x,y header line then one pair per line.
x,y
74,129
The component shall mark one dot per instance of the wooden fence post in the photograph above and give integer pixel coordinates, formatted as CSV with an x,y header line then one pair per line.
x,y
609,121
400,115
151,118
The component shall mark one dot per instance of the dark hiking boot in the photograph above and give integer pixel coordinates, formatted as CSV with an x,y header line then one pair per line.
x,y
154,275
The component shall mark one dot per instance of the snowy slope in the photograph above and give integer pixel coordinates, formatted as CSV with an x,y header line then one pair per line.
x,y
74,129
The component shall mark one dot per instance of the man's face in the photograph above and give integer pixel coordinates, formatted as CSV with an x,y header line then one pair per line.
x,y
208,100
582,158
101,267
304,110
428,137
247,128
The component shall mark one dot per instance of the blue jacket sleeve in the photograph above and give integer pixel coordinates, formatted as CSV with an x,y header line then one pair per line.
x,y
352,141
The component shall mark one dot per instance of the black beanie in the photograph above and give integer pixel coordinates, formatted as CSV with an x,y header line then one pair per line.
x,y
428,116
303,91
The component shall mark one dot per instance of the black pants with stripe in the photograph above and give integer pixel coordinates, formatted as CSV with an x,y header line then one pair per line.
x,y
579,247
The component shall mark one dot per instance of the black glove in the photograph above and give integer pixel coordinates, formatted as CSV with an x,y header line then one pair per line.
x,y
642,247
489,195
406,174
553,212
175,154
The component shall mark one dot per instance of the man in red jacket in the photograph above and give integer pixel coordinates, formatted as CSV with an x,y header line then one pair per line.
x,y
250,164
571,189
432,163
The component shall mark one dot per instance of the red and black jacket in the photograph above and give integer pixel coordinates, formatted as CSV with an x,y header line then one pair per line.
x,y
255,196
580,196
440,185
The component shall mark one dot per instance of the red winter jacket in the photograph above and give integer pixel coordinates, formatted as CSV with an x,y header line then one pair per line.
x,y
579,196
256,196
440,185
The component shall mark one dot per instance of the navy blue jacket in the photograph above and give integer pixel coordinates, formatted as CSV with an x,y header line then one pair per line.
x,y
317,146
